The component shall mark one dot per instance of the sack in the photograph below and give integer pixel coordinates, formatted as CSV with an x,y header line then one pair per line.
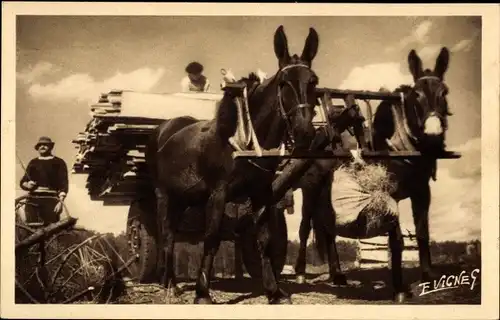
x,y
362,211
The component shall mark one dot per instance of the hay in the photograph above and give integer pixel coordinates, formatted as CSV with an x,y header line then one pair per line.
x,y
374,179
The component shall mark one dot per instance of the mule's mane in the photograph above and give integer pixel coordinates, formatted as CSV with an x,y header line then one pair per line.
x,y
252,77
404,88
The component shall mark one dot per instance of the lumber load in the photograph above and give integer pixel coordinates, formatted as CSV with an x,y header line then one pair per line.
x,y
111,149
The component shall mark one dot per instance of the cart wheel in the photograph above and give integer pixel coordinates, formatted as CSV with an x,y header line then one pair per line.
x,y
141,242
279,242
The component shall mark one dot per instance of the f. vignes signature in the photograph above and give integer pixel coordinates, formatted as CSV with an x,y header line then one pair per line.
x,y
447,282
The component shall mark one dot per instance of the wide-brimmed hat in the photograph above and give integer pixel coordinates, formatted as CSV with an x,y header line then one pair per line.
x,y
44,140
194,67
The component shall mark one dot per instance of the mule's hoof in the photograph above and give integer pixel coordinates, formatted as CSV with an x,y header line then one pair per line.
x,y
339,279
279,297
402,297
203,300
281,300
175,290
301,279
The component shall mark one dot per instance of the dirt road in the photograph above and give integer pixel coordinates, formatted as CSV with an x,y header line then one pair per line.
x,y
365,287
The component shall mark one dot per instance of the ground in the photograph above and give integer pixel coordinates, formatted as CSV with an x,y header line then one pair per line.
x,y
365,287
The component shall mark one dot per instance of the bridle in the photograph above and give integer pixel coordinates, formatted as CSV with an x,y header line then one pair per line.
x,y
434,113
286,115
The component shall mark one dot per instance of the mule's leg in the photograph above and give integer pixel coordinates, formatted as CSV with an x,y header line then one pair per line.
x,y
270,278
336,275
304,231
166,221
210,247
238,259
328,228
214,211
396,246
420,202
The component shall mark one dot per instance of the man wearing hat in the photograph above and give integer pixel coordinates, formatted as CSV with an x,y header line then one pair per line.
x,y
46,180
195,81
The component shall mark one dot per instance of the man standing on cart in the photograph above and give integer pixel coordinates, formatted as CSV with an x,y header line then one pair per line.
x,y
195,80
46,180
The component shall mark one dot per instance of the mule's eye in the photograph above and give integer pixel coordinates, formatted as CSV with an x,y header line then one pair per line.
x,y
420,95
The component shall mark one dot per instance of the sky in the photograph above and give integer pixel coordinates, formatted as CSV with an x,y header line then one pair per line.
x,y
63,63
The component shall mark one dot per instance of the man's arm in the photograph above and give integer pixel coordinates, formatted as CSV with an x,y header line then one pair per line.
x,y
207,86
62,178
26,177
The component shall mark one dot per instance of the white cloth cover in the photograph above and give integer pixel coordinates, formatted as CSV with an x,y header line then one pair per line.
x,y
349,200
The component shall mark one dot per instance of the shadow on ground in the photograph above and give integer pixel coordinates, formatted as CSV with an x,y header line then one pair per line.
x,y
364,287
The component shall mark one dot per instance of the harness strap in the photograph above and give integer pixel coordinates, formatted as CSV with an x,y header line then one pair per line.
x,y
300,65
405,118
284,115
429,78
248,133
401,128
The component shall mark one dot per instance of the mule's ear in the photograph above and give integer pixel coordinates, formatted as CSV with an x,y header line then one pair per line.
x,y
281,45
311,46
415,65
442,62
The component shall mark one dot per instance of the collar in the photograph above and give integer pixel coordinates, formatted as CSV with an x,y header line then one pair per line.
x,y
46,158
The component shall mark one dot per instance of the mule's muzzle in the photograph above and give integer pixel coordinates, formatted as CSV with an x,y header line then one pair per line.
x,y
304,127
433,137
433,125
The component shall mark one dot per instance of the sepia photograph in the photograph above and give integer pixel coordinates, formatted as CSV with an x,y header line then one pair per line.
x,y
326,155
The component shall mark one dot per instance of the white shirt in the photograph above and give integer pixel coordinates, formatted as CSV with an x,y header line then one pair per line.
x,y
189,86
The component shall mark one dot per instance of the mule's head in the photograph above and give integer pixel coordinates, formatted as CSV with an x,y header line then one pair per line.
x,y
427,111
297,86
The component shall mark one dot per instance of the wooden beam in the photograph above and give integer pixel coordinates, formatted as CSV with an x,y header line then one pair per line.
x,y
46,232
358,94
344,154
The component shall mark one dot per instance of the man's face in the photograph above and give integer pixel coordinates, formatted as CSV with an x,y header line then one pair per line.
x,y
44,149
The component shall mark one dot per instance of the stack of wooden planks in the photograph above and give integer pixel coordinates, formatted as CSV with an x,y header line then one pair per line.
x,y
111,150
375,252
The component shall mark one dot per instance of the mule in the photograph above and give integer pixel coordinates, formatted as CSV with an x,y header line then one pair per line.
x,y
191,162
420,123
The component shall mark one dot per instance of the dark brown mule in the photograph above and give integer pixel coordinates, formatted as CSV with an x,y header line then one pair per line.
x,y
424,123
192,165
